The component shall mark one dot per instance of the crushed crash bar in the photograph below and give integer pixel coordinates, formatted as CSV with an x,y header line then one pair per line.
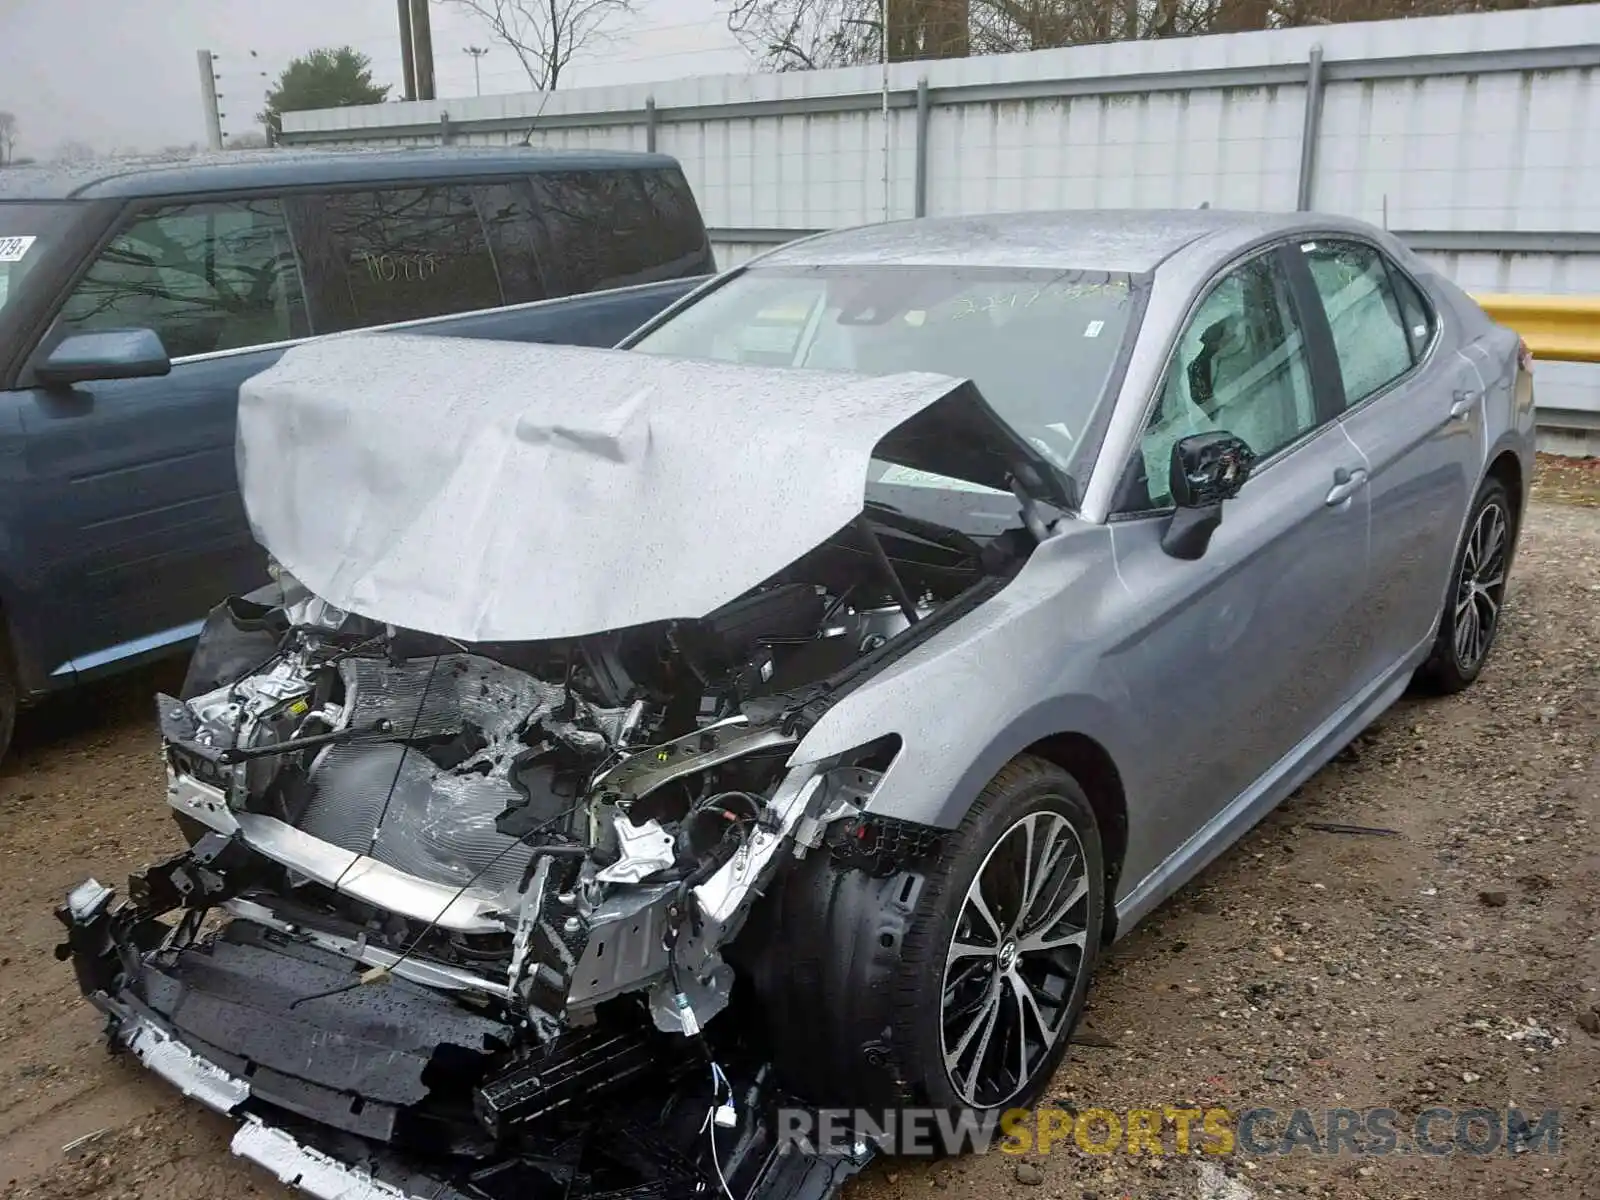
x,y
307,1169
181,1067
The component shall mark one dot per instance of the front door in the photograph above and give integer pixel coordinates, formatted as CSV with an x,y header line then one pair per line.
x,y
1237,657
128,488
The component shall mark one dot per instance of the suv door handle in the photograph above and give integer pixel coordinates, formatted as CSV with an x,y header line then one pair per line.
x,y
1346,483
1464,400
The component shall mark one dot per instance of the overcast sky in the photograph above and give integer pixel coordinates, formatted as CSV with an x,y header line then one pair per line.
x,y
121,74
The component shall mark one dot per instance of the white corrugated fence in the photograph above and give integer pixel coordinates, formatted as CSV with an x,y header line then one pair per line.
x,y
1475,137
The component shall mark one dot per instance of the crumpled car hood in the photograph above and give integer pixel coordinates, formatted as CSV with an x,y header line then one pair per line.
x,y
496,491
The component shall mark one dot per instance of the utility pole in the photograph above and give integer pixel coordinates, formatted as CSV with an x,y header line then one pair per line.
x,y
883,58
408,55
422,49
477,53
208,98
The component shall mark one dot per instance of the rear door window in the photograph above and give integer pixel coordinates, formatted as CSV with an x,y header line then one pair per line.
x,y
205,277
603,228
517,238
394,254
1370,333
679,233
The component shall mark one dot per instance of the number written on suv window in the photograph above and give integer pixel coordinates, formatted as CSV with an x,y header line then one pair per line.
x,y
393,254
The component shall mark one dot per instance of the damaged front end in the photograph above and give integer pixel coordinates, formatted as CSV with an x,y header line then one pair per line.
x,y
462,916
444,905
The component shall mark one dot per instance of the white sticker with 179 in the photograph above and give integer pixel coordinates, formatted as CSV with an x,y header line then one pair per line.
x,y
13,248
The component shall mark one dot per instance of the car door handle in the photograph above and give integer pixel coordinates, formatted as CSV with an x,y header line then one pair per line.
x,y
1346,483
1464,400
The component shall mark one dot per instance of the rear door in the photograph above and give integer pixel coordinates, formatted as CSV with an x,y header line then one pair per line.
x,y
131,495
1415,407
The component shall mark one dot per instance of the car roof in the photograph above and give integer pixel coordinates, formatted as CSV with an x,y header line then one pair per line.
x,y
235,170
1135,241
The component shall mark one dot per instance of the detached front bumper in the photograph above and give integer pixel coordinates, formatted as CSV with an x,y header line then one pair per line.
x,y
368,1093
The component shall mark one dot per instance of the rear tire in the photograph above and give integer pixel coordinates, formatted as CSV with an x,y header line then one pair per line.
x,y
1471,617
10,702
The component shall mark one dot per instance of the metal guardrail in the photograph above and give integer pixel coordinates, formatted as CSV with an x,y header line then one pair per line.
x,y
1556,328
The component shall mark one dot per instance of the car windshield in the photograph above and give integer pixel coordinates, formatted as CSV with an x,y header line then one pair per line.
x,y
1039,344
25,231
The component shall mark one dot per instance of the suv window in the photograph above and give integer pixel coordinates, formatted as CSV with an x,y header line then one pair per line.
x,y
603,232
679,232
516,238
205,277
1370,335
395,254
1240,366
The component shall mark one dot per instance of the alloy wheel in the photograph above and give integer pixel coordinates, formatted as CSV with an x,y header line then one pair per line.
x,y
1481,586
1012,967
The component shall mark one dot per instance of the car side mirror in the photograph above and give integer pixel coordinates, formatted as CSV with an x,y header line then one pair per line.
x,y
1206,469
104,354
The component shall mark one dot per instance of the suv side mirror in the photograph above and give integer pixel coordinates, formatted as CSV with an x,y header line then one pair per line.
x,y
1206,469
104,354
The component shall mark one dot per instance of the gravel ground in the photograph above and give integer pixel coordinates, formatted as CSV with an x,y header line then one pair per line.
x,y
1454,963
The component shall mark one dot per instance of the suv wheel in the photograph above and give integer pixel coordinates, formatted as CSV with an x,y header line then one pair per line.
x,y
10,701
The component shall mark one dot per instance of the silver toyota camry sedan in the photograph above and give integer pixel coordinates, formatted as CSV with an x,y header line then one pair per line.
x,y
783,710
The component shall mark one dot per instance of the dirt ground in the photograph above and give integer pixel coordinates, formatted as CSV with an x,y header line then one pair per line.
x,y
1454,963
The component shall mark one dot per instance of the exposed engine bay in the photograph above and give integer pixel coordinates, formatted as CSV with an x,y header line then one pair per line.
x,y
494,883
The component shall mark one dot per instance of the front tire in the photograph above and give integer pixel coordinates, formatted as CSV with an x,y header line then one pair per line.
x,y
996,970
1471,616
879,989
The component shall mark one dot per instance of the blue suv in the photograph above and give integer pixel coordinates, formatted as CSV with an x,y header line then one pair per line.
x,y
136,296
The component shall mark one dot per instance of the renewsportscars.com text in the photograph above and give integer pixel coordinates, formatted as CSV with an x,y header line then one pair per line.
x,y
1173,1129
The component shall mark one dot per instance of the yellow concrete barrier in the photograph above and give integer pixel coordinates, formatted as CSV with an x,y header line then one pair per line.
x,y
1559,328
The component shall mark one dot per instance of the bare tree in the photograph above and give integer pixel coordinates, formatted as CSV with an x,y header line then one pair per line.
x,y
788,35
545,34
807,35
8,136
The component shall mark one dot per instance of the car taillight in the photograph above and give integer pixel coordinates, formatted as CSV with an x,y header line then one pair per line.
x,y
1524,356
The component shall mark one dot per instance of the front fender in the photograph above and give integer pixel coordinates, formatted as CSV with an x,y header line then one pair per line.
x,y
936,789
23,613
1038,658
